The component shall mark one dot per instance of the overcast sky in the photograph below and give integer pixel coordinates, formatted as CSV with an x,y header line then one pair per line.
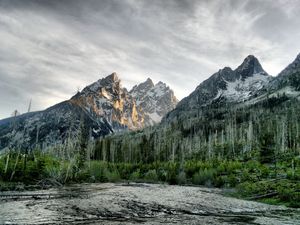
x,y
50,48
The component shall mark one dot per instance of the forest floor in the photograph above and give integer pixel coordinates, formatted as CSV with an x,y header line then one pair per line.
x,y
137,203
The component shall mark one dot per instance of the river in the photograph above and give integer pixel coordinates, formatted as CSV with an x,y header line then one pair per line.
x,y
137,204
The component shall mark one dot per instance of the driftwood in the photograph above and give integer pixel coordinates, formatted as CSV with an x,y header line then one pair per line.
x,y
49,182
268,195
36,195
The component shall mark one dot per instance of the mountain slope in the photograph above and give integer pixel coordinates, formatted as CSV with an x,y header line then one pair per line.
x,y
104,107
289,77
107,99
49,127
258,120
226,85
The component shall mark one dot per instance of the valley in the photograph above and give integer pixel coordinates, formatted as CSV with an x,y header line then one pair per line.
x,y
239,130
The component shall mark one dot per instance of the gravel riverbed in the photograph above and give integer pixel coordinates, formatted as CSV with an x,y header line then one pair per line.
x,y
137,204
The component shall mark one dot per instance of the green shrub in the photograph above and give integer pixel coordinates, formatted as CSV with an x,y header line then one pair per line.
x,y
98,171
233,166
293,174
233,180
265,171
162,174
151,175
52,171
181,178
221,168
219,181
135,176
204,177
112,176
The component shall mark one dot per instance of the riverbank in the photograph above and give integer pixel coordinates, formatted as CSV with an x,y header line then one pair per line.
x,y
252,180
115,203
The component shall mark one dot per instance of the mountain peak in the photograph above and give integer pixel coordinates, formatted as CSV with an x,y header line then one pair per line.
x,y
250,58
111,80
142,87
226,68
291,68
149,82
297,60
112,77
160,83
156,100
250,66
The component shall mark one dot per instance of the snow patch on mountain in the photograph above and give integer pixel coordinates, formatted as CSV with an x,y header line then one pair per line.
x,y
242,89
155,117
288,91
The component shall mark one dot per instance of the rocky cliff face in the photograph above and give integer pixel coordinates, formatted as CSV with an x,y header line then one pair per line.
x,y
104,107
226,85
154,101
289,77
291,68
235,114
107,99
142,106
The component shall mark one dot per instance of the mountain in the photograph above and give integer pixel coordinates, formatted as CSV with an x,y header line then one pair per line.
x,y
227,85
154,100
293,68
288,80
233,108
242,114
107,99
49,127
104,107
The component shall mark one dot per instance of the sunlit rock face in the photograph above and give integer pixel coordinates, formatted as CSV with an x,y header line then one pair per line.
x,y
144,105
107,99
104,106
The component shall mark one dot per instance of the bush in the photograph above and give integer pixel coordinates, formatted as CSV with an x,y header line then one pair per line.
x,y
265,171
98,171
52,172
135,176
233,166
111,176
181,178
247,188
162,174
219,181
204,177
293,174
151,175
221,168
233,180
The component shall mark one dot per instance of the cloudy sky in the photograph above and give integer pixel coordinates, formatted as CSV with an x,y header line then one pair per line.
x,y
50,48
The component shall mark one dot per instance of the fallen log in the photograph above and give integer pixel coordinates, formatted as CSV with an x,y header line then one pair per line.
x,y
47,182
39,196
268,195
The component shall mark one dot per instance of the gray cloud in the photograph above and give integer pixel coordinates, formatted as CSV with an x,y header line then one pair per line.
x,y
50,48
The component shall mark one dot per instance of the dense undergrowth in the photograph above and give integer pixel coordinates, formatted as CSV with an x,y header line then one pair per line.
x,y
277,184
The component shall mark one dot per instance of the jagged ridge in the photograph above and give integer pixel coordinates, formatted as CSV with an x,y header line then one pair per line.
x,y
226,85
104,106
